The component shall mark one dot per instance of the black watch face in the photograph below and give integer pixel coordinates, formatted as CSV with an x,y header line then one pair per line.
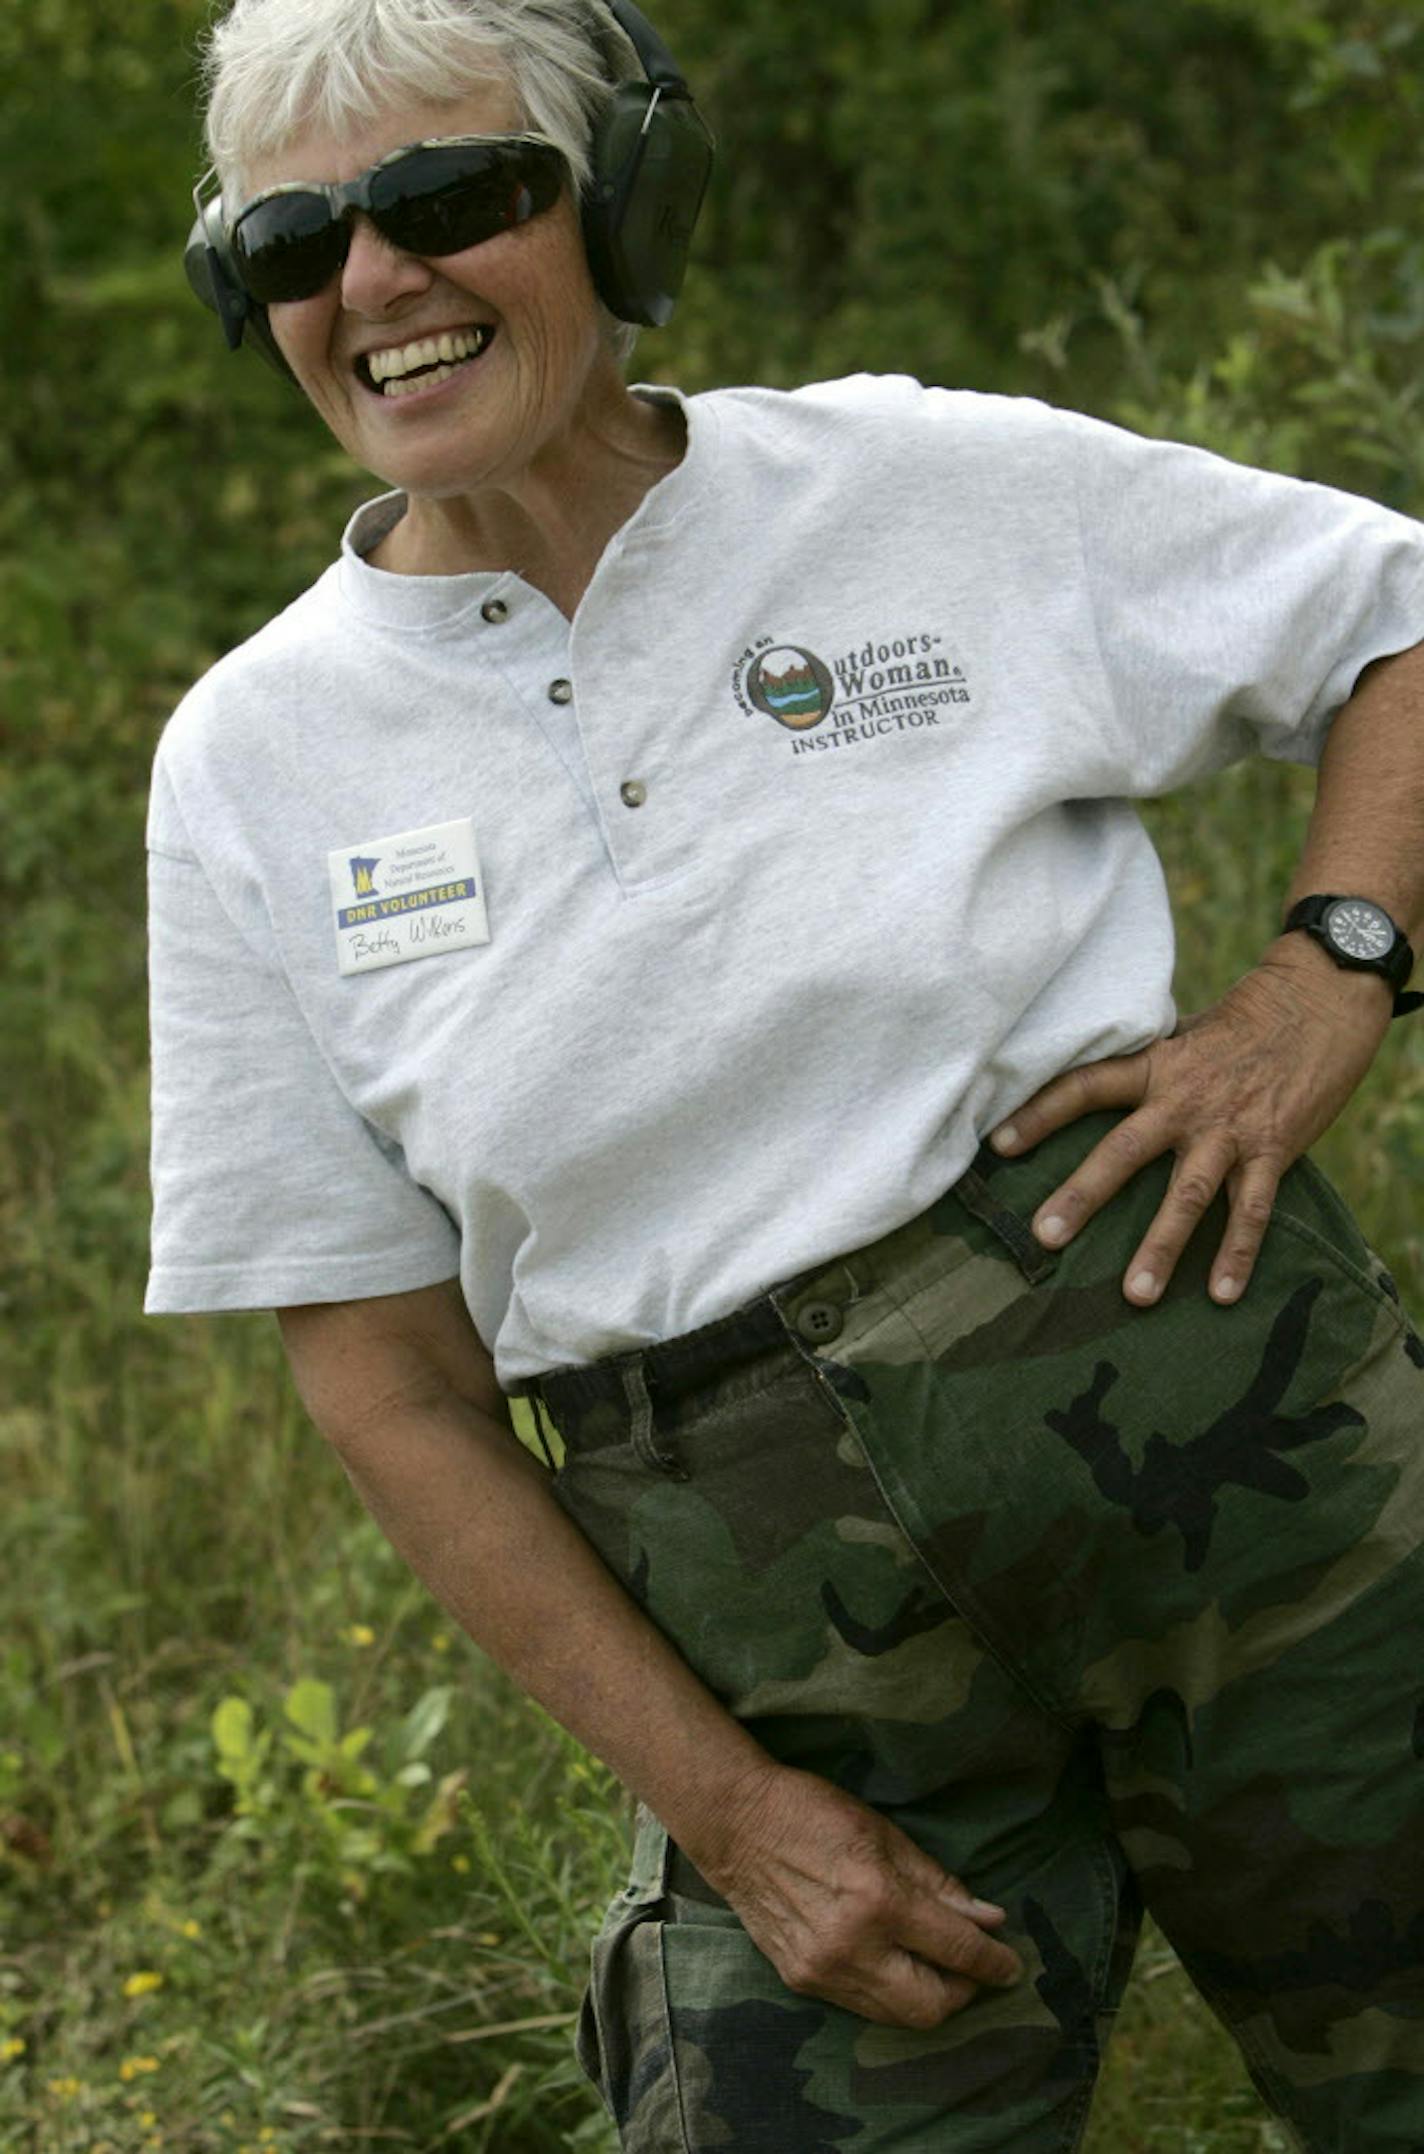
x,y
1360,929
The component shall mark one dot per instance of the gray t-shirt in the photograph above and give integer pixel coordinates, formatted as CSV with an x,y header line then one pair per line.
x,y
625,967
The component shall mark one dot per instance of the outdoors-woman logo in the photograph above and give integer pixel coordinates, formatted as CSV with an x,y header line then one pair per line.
x,y
792,686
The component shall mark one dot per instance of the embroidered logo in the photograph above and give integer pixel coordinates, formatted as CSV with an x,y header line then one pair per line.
x,y
792,686
904,684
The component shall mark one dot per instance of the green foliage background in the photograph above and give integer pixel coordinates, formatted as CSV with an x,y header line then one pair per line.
x,y
1200,217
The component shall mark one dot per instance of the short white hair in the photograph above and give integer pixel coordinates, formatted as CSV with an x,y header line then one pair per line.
x,y
273,69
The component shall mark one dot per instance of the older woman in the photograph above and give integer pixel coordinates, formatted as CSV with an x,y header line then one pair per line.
x,y
596,928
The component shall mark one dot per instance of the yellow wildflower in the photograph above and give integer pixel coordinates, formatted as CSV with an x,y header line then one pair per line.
x,y
148,2119
66,2089
460,1863
132,2066
140,1984
360,1634
13,2047
488,1937
192,1929
440,1643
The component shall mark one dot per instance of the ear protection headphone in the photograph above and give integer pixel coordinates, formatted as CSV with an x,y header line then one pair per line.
x,y
651,158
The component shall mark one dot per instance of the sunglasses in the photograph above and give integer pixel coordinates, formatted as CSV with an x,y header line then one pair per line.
x,y
430,198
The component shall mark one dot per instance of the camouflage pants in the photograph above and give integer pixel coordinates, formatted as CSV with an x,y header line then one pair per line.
x,y
1102,1606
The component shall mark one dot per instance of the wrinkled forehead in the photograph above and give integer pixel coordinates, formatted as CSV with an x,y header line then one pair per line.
x,y
324,154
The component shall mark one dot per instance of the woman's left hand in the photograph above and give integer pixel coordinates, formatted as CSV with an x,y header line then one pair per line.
x,y
1237,1092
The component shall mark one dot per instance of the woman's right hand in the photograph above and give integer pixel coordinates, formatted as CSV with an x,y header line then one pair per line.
x,y
847,1908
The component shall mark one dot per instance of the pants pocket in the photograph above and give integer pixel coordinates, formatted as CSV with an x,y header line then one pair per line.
x,y
765,2071
624,2041
760,2069
1310,1207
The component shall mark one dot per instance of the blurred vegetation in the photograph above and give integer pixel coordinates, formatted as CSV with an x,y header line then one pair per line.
x,y
228,1918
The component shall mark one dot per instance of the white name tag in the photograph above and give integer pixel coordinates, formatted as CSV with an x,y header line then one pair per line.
x,y
408,896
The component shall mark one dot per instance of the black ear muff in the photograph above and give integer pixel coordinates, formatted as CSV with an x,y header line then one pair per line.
x,y
207,260
651,158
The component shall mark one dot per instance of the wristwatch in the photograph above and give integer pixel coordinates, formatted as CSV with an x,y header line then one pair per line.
x,y
1361,937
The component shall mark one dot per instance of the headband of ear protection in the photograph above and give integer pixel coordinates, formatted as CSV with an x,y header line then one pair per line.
x,y
651,158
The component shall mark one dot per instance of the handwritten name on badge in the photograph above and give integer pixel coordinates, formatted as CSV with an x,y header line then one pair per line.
x,y
412,895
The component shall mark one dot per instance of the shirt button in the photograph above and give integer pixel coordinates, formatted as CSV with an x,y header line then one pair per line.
x,y
561,691
632,794
494,610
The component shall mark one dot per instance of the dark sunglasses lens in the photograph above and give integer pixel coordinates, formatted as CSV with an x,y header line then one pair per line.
x,y
289,247
442,200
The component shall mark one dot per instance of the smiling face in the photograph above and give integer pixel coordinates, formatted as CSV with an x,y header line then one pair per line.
x,y
509,330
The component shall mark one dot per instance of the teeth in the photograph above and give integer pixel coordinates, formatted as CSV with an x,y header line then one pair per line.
x,y
445,351
425,381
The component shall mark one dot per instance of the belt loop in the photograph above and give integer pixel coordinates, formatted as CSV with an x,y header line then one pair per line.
x,y
640,1417
975,1193
640,1406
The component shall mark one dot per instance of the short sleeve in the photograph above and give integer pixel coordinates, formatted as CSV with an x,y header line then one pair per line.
x,y
268,1188
1235,609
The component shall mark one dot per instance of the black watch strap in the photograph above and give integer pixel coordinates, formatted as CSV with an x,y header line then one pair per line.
x,y
1393,966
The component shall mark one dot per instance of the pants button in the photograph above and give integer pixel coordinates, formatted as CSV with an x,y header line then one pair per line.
x,y
820,1321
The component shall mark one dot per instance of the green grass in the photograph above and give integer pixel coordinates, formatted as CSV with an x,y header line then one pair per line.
x,y
328,1932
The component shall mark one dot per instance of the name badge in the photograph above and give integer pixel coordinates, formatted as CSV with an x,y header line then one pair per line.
x,y
412,895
